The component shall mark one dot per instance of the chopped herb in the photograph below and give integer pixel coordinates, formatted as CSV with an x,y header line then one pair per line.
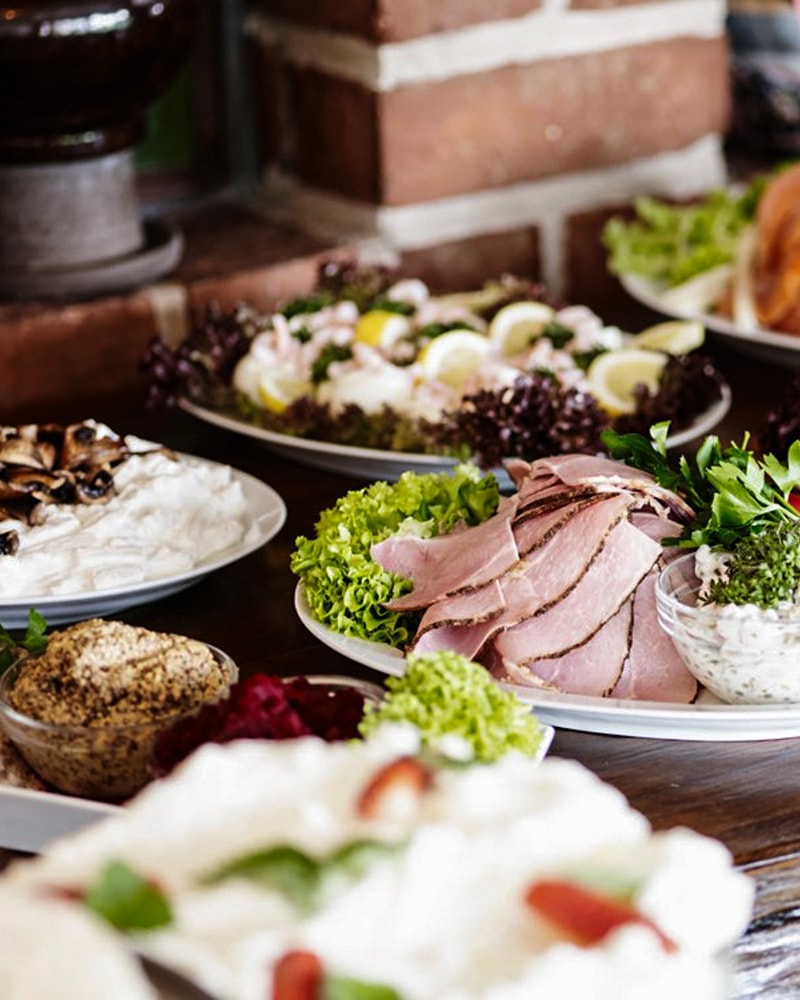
x,y
583,359
304,335
126,900
394,306
307,304
558,334
763,569
430,331
326,357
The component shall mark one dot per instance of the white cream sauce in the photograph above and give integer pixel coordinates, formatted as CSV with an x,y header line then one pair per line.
x,y
165,518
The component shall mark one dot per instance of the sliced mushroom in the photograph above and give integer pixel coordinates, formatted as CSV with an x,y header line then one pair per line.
x,y
20,451
82,446
95,486
9,543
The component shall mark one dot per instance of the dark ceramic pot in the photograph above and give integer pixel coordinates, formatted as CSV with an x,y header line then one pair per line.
x,y
77,76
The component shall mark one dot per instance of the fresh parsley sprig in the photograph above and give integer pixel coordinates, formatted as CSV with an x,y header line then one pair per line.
x,y
34,640
734,493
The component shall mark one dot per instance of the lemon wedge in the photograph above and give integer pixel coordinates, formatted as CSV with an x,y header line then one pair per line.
x,y
677,336
453,357
517,324
279,387
613,377
382,328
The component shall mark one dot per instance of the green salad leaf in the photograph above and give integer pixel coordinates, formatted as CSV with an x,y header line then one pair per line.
x,y
734,493
305,880
445,694
672,243
126,900
34,641
345,589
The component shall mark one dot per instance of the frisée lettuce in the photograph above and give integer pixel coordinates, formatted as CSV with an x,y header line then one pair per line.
x,y
345,589
444,694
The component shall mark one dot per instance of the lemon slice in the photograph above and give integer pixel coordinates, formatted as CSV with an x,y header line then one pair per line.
x,y
677,336
382,328
613,377
453,357
279,387
516,325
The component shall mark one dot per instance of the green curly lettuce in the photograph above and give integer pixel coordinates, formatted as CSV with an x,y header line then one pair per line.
x,y
672,243
445,694
345,589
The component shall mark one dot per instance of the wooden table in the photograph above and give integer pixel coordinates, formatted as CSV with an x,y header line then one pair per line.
x,y
747,794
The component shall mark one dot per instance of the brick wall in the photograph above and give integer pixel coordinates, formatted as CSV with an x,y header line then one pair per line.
x,y
471,136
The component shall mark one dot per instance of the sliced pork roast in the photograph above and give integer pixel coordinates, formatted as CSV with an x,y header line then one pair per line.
x,y
557,589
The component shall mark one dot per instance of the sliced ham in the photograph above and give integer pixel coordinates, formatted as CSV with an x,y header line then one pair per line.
x,y
653,670
545,576
449,564
556,590
603,473
625,558
534,529
469,608
468,640
655,525
593,668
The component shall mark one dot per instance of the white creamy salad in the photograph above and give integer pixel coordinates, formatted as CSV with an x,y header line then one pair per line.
x,y
443,915
166,516
741,652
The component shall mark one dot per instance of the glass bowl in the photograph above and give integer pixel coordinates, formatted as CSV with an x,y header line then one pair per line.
x,y
741,654
106,762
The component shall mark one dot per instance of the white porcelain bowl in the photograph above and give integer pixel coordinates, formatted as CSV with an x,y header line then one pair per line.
x,y
742,654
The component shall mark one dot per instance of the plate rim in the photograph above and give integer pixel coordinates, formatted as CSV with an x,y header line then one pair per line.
x,y
620,717
275,512
405,459
646,291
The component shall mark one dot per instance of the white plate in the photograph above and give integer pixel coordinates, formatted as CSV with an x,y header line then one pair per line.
x,y
767,345
707,720
372,463
268,513
29,820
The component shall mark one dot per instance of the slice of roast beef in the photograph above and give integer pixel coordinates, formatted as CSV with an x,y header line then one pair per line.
x,y
653,670
593,668
625,558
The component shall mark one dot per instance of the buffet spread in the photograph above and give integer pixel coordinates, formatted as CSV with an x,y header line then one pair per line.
x,y
538,552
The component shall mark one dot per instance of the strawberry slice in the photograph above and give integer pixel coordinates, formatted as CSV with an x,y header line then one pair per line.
x,y
297,976
585,916
394,784
794,499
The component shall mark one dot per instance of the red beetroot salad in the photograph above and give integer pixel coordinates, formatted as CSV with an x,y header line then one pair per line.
x,y
263,706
